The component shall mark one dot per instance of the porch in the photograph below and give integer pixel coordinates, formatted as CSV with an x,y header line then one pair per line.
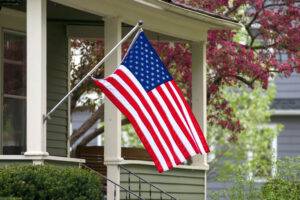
x,y
46,26
137,170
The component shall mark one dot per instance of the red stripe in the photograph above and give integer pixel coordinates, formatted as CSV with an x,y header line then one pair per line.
x,y
144,119
178,120
134,123
194,120
122,75
179,106
169,125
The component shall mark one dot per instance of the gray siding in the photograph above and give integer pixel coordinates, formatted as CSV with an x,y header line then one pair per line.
x,y
57,87
288,88
288,142
184,184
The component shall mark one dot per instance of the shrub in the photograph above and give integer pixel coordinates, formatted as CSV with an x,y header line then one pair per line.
x,y
281,189
286,183
49,183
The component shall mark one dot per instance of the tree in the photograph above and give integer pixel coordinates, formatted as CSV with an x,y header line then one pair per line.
x,y
234,58
250,150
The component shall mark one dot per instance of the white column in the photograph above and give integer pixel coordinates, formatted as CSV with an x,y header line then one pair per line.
x,y
36,77
112,116
199,91
199,96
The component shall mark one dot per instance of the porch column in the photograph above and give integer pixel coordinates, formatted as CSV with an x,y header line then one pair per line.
x,y
112,116
199,95
36,77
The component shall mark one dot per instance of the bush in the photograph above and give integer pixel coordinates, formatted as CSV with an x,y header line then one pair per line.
x,y
281,189
49,183
286,183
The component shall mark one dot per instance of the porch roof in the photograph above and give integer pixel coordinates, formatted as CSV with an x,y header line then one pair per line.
x,y
159,16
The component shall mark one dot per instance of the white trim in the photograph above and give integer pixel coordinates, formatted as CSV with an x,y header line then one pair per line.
x,y
290,112
217,22
150,163
69,125
52,158
170,23
273,159
36,77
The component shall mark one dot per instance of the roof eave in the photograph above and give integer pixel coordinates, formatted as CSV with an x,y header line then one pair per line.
x,y
213,22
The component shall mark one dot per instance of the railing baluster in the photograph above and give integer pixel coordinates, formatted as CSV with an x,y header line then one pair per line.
x,y
139,187
150,193
115,185
115,192
129,183
141,180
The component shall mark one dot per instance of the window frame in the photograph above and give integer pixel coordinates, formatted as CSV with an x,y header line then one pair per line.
x,y
274,145
4,30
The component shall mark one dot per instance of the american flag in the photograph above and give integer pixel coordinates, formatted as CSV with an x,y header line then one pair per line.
x,y
145,92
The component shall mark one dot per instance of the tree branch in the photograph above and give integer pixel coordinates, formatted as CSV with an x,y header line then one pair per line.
x,y
98,114
94,134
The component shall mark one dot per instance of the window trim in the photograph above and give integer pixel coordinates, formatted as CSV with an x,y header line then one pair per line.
x,y
274,145
4,30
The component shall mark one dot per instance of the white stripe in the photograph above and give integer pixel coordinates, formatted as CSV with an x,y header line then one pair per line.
x,y
145,112
174,123
166,91
188,119
140,123
155,111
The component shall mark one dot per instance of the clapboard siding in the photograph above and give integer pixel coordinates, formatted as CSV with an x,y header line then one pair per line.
x,y
184,184
57,87
288,142
288,87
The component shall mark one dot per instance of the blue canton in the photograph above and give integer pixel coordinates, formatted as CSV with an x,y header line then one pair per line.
x,y
144,63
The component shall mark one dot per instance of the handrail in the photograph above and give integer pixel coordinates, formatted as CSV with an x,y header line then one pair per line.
x,y
114,183
147,182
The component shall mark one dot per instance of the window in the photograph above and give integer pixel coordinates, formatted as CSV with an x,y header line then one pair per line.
x,y
13,124
267,159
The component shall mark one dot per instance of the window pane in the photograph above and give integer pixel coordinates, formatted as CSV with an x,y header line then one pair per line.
x,y
14,79
14,47
14,64
14,126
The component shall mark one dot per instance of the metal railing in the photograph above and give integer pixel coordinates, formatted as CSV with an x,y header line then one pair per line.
x,y
128,192
162,194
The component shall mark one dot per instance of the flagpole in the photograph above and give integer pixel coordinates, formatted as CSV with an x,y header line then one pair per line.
x,y
136,27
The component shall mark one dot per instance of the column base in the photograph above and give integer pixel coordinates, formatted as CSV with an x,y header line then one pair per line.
x,y
113,161
36,153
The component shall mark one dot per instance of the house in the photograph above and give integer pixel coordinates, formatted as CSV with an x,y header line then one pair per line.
x,y
286,107
35,76
287,112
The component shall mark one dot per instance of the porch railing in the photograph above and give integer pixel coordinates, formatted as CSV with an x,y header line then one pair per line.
x,y
151,187
128,192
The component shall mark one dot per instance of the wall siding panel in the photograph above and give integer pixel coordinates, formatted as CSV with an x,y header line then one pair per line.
x,y
57,87
288,141
288,88
184,184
